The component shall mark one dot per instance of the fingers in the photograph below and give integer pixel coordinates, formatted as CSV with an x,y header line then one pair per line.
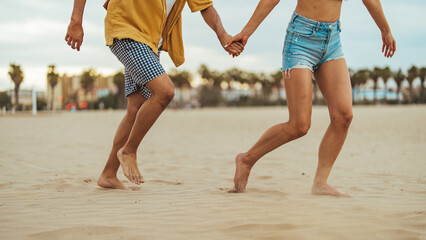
x,y
393,48
69,41
74,43
79,45
237,46
386,50
234,50
106,5
234,39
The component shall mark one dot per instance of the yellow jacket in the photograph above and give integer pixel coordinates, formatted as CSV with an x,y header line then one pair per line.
x,y
146,21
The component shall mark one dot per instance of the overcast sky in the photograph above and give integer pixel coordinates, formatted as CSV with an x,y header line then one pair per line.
x,y
32,34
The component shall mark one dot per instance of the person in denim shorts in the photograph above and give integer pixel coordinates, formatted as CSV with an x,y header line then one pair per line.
x,y
312,47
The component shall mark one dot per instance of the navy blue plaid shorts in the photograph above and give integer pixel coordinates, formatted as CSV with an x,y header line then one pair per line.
x,y
141,65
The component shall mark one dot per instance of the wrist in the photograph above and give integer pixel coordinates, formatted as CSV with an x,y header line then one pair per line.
x,y
385,32
221,34
223,37
76,20
246,32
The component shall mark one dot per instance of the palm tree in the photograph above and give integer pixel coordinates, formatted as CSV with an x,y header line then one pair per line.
x,y
267,84
353,83
211,76
359,78
180,79
233,75
374,75
52,79
17,77
386,74
412,74
119,82
422,76
399,77
87,81
314,90
277,79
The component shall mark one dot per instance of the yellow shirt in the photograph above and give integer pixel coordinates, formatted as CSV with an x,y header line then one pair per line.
x,y
146,21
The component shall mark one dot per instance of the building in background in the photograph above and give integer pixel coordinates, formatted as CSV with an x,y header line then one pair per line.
x,y
69,91
25,97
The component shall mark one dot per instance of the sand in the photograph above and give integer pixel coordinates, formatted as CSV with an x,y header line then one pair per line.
x,y
50,163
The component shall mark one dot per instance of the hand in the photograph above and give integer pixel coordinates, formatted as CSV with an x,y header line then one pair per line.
x,y
234,49
74,35
240,39
106,4
389,44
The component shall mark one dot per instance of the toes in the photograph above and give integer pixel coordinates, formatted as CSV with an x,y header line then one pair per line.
x,y
347,195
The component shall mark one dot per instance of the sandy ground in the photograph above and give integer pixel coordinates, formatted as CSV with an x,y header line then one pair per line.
x,y
50,163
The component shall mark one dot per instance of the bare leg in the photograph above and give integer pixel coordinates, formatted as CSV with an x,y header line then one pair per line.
x,y
108,178
162,91
334,82
299,98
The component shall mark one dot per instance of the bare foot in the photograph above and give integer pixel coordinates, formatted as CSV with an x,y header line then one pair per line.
x,y
242,172
325,189
111,182
130,166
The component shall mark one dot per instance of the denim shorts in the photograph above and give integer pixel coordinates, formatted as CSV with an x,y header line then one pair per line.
x,y
309,43
141,65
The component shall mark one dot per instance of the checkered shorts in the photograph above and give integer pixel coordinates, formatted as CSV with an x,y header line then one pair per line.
x,y
141,65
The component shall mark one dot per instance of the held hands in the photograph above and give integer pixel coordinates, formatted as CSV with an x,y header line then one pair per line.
x,y
389,44
234,49
239,40
74,35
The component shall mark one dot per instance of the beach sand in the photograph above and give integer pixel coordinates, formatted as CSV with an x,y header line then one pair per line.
x,y
50,164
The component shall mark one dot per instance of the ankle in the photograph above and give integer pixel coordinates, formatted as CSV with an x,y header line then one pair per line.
x,y
109,174
320,182
247,160
128,150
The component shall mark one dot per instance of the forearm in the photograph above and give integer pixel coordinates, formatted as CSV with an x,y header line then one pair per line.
x,y
376,11
211,17
78,10
262,11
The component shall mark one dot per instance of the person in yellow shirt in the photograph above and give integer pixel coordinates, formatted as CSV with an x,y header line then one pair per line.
x,y
136,31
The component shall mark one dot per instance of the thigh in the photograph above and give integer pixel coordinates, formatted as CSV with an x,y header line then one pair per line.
x,y
335,84
140,62
135,100
160,84
298,88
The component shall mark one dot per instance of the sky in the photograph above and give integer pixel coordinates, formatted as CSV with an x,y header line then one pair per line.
x,y
32,34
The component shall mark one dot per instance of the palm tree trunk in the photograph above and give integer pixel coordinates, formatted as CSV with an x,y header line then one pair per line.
x,y
398,92
279,93
422,82
16,98
375,90
51,101
385,97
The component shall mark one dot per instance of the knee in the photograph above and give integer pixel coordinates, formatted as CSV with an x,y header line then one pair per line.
x,y
342,119
300,128
165,96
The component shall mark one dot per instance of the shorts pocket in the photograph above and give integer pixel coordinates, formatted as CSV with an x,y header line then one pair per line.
x,y
300,29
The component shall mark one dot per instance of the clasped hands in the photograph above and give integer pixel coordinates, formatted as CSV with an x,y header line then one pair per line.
x,y
235,45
